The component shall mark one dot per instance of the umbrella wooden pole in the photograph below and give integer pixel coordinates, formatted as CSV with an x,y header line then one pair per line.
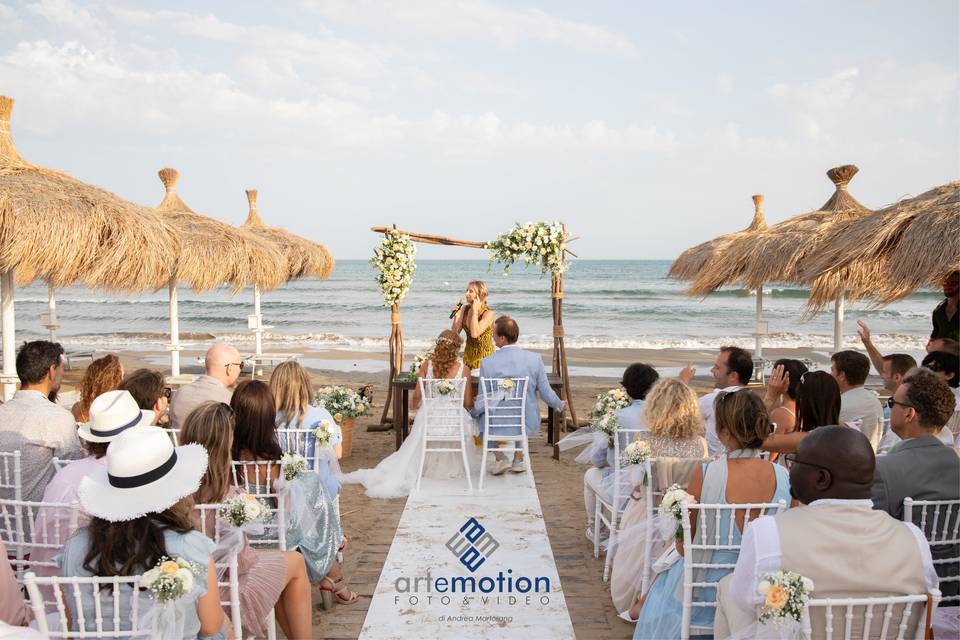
x,y
256,312
8,318
52,313
838,305
174,330
758,342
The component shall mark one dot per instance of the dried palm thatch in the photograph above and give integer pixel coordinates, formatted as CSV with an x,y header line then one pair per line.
x,y
888,254
695,259
777,254
214,253
305,259
56,228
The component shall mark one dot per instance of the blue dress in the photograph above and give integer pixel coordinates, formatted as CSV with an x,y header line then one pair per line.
x,y
192,546
311,421
661,615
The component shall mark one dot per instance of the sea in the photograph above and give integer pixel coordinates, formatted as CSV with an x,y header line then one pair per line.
x,y
613,304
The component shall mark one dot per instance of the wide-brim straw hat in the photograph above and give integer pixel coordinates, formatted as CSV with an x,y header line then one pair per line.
x,y
111,414
145,474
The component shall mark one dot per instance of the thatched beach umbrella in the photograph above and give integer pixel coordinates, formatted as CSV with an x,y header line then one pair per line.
x,y
213,253
777,254
701,258
305,259
888,254
55,228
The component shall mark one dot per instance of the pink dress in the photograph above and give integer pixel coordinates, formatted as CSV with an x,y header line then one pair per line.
x,y
262,576
13,610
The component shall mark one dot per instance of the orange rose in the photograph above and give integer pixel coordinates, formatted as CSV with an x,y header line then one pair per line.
x,y
777,597
170,567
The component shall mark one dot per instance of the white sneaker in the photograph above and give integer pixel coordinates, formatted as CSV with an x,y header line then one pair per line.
x,y
518,466
500,466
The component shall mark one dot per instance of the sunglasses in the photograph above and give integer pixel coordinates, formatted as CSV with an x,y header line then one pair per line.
x,y
891,402
792,459
239,365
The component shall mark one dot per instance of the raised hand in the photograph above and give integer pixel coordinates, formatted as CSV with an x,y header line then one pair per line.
x,y
863,331
687,373
778,382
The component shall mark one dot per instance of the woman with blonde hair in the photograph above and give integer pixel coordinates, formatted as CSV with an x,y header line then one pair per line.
x,y
268,579
396,474
676,441
476,320
104,374
293,395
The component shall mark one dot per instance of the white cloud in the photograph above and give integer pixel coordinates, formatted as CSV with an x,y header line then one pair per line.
x,y
473,20
65,14
725,83
9,21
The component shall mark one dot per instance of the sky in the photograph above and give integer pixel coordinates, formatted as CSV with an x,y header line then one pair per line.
x,y
645,127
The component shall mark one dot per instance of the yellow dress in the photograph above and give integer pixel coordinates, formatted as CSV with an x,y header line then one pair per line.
x,y
478,348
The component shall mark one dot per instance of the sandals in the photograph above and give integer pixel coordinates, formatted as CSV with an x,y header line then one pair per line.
x,y
338,590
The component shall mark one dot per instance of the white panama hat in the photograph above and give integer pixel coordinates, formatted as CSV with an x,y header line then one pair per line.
x,y
144,474
111,414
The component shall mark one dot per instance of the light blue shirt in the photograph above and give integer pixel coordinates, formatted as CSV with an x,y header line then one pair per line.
x,y
630,417
513,362
310,423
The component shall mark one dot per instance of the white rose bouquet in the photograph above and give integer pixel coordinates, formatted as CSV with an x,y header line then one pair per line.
x,y
609,402
506,385
342,402
294,465
446,387
324,433
418,361
670,507
542,244
170,579
784,595
637,452
243,509
609,425
395,264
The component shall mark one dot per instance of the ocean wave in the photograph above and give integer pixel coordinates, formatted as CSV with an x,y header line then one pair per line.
x,y
785,340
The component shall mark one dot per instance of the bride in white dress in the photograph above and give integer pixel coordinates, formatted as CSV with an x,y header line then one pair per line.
x,y
396,475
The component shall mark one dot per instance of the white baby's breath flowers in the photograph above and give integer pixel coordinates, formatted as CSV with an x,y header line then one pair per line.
x,y
394,259
541,244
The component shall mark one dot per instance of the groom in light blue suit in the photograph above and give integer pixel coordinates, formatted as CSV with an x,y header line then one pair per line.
x,y
510,361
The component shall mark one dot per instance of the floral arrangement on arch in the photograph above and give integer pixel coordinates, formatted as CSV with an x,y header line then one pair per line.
x,y
394,260
342,403
538,243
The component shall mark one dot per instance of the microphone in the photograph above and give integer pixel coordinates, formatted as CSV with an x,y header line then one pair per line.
x,y
456,309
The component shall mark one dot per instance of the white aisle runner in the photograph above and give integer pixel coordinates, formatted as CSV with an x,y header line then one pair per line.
x,y
447,576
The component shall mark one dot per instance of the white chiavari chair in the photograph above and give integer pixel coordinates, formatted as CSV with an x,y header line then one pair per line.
x,y
444,422
108,596
58,464
174,435
699,551
32,541
256,478
878,618
11,475
504,411
939,520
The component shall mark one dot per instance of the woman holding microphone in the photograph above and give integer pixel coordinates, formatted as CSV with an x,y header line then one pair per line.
x,y
476,320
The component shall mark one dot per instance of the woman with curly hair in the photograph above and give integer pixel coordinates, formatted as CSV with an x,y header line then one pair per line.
x,y
103,374
676,441
396,474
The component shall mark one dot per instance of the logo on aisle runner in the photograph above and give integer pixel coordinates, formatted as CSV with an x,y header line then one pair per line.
x,y
472,544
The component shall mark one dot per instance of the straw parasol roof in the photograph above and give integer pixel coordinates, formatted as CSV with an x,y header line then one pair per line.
x,y
214,253
695,259
305,259
776,255
886,255
56,228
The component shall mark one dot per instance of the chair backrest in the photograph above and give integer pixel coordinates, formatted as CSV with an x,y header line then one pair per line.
x,y
227,571
303,443
878,618
621,480
940,522
174,435
11,475
254,477
504,409
442,406
716,537
33,541
58,464
119,606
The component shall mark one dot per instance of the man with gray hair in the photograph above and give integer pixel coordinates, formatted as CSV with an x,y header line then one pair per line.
x,y
223,366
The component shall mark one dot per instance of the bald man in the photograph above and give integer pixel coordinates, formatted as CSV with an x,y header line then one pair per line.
x,y
223,365
836,538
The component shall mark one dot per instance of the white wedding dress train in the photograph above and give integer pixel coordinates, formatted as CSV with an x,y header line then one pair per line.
x,y
396,475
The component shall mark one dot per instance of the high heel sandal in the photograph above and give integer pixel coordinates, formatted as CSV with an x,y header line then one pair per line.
x,y
334,592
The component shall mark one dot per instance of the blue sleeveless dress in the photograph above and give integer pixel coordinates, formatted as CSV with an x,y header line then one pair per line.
x,y
662,613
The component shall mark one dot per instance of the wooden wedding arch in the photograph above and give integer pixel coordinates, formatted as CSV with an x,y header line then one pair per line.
x,y
559,356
